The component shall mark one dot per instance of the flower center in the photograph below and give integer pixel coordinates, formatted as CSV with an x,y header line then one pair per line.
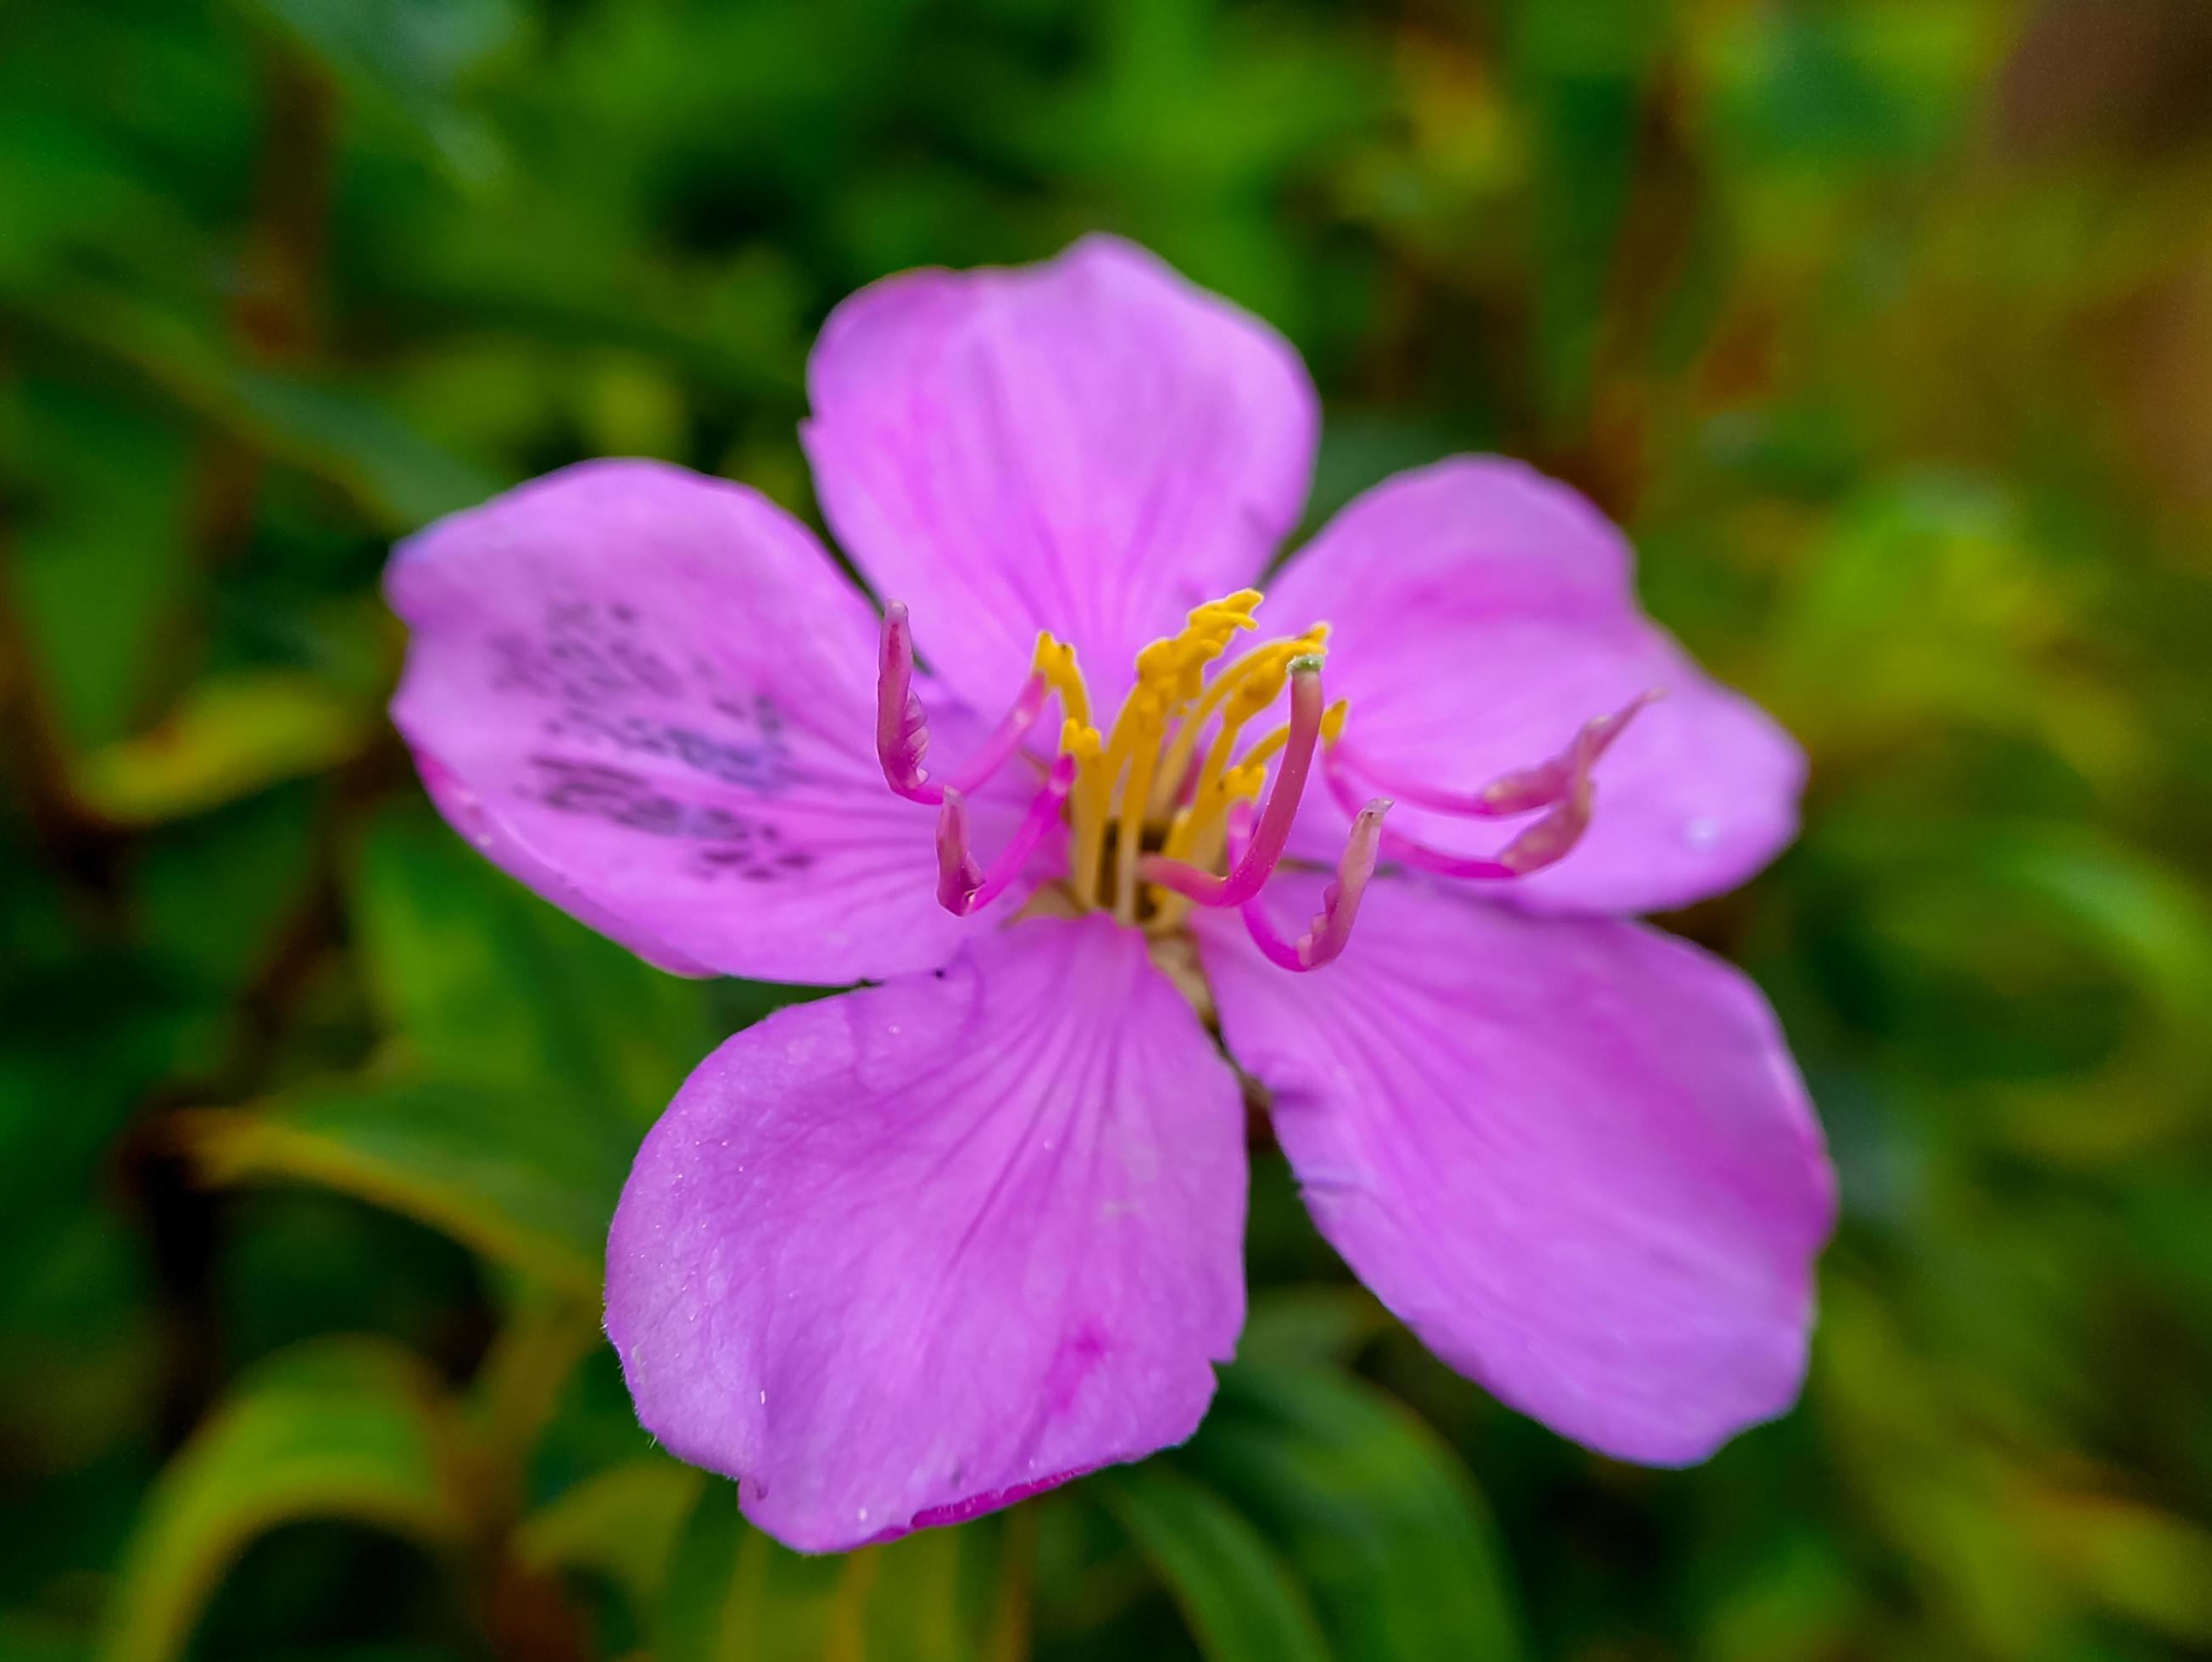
x,y
1148,800
1162,778
1169,805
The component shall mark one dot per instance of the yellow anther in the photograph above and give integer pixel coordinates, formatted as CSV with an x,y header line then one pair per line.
x,y
1261,674
1162,660
1081,741
1235,610
1055,661
1175,667
1332,720
1131,774
1260,688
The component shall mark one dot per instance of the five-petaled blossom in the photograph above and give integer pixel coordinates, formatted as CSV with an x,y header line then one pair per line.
x,y
897,1257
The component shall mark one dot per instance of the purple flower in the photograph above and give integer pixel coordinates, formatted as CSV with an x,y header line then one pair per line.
x,y
897,1257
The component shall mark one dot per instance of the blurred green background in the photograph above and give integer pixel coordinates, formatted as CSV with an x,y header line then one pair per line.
x,y
1886,328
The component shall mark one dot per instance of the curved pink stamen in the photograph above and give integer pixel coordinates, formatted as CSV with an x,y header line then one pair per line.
x,y
991,755
1542,843
1331,929
1247,875
962,886
1522,790
902,725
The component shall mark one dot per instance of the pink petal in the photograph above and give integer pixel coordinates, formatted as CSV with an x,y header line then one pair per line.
x,y
905,1255
1571,1153
650,697
1090,445
1483,613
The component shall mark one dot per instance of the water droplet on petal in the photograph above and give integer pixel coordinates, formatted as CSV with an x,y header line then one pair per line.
x,y
1701,832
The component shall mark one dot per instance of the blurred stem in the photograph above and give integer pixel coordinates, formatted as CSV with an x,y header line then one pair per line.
x,y
77,843
276,313
518,1389
1009,1638
1652,251
528,1615
274,320
33,751
847,1640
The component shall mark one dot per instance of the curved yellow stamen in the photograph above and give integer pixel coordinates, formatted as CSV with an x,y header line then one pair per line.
x,y
1259,680
1127,775
1055,661
1170,674
1199,834
1270,659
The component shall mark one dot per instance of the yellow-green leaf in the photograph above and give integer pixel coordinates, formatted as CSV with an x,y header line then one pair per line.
x,y
621,1523
1373,1510
228,737
528,1178
1237,1594
351,1428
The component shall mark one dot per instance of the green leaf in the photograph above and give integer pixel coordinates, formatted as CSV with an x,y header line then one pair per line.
x,y
1238,1595
33,1638
528,1178
97,572
696,1598
345,437
485,980
1374,1510
905,1600
1303,1325
217,891
343,1428
411,56
731,1592
1583,68
622,1523
355,444
734,1595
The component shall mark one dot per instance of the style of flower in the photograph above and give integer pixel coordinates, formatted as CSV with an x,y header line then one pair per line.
x,y
900,1257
